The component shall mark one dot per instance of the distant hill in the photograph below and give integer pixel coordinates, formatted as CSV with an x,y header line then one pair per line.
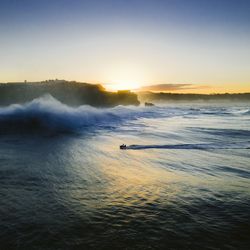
x,y
164,97
68,92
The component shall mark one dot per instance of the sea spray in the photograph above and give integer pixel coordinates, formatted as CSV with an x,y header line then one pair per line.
x,y
47,113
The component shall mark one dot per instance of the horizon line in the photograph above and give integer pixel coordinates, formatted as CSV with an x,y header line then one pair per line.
x,y
137,90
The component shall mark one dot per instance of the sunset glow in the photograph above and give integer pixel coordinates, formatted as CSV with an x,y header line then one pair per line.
x,y
124,124
122,85
128,45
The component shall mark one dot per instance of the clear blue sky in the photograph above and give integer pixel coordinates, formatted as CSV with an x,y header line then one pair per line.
x,y
125,43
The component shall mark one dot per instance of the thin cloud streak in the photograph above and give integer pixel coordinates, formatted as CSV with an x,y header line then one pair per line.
x,y
171,87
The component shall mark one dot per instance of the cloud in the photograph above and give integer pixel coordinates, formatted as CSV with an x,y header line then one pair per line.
x,y
171,87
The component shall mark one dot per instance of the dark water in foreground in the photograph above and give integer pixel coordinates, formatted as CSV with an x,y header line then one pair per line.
x,y
184,183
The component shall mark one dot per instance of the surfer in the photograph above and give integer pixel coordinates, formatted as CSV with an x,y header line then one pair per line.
x,y
123,146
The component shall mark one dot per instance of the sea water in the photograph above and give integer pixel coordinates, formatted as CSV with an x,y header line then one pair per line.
x,y
182,183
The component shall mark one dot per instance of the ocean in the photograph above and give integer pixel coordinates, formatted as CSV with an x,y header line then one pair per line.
x,y
182,183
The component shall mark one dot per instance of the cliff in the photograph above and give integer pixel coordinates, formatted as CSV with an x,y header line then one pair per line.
x,y
68,92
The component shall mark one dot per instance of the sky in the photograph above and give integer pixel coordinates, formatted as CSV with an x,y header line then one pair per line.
x,y
184,46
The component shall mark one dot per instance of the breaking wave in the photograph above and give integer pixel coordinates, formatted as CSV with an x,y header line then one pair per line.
x,y
48,114
247,112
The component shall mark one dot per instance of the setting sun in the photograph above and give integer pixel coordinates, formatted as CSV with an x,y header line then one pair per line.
x,y
124,75
122,85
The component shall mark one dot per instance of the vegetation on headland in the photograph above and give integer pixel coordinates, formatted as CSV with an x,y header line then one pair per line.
x,y
69,92
164,97
77,93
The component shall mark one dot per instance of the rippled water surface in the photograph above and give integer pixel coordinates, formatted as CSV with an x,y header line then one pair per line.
x,y
183,182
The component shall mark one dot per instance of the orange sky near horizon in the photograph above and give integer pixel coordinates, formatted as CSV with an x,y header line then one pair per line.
x,y
193,88
202,45
210,89
169,88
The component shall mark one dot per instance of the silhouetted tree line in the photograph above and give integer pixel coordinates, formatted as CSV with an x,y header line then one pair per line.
x,y
161,96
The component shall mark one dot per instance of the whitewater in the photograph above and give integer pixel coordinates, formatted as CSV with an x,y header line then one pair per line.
x,y
182,183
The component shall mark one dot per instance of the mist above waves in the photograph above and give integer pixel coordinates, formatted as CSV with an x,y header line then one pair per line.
x,y
48,114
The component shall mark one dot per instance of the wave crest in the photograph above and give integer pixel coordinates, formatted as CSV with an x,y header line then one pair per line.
x,y
48,114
